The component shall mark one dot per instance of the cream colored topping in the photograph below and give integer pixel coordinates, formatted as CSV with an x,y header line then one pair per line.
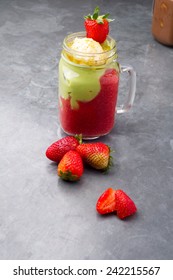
x,y
88,46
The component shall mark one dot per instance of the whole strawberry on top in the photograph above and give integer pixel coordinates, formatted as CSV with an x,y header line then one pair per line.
x,y
96,155
97,26
57,150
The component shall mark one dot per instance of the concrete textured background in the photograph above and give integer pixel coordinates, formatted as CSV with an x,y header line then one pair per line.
x,y
43,217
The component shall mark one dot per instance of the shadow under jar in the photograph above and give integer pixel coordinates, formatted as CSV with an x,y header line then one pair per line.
x,y
88,89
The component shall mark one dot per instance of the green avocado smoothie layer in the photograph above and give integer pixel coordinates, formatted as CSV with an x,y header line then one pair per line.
x,y
78,83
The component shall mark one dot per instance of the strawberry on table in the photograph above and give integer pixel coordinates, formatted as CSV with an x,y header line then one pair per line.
x,y
115,201
70,167
106,202
57,150
97,26
124,204
95,154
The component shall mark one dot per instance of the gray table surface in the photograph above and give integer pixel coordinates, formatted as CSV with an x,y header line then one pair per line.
x,y
43,217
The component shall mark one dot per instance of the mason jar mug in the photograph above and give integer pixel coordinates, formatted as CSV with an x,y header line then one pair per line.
x,y
88,89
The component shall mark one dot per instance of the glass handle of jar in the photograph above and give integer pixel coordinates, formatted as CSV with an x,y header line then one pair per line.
x,y
132,89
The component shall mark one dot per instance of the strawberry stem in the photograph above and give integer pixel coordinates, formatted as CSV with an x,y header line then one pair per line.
x,y
79,138
96,13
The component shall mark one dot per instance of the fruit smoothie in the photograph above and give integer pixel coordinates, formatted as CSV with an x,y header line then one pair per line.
x,y
88,88
88,79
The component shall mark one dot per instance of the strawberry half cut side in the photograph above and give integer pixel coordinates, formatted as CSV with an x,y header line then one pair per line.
x,y
106,202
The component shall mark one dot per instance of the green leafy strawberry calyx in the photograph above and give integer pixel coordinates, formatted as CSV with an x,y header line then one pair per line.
x,y
110,161
99,18
68,176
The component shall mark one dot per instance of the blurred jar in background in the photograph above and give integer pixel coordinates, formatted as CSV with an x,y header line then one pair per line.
x,y
162,21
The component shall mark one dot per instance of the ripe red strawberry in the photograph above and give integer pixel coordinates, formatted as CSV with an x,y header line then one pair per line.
x,y
96,155
97,26
106,202
57,150
70,167
124,204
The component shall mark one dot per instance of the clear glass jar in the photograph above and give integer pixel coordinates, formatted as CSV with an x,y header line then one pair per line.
x,y
88,89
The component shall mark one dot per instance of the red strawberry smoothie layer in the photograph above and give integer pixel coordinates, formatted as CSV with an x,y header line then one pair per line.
x,y
96,117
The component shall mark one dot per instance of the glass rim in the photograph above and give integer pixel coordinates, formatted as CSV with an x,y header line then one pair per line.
x,y
82,34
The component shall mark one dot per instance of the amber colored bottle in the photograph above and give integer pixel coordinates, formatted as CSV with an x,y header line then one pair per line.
x,y
162,21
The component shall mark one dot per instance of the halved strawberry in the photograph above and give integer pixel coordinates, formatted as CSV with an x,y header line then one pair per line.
x,y
97,26
106,202
124,204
